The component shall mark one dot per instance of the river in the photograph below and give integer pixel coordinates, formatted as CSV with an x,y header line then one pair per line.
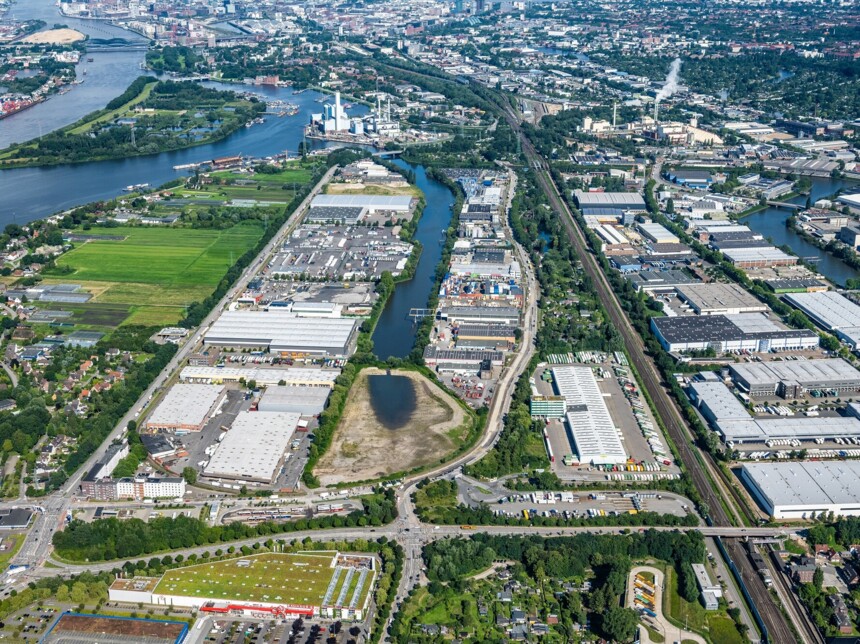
x,y
394,335
107,76
32,193
771,224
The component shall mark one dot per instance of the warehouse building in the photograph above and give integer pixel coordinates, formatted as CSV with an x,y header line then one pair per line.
x,y
282,332
596,203
369,203
264,377
596,439
657,233
254,447
728,416
296,399
743,332
799,490
719,299
759,257
185,407
347,215
832,312
509,315
794,379
462,360
485,336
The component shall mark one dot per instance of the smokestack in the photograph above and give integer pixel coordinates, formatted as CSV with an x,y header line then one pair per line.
x,y
614,114
656,108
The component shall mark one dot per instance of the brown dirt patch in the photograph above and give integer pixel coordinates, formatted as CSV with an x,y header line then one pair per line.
x,y
55,37
363,449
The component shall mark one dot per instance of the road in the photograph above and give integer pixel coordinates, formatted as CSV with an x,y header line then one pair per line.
x,y
708,486
12,375
38,542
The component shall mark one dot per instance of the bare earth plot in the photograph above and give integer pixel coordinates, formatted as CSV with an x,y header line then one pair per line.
x,y
363,448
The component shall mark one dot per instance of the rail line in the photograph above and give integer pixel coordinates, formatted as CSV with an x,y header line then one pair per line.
x,y
775,622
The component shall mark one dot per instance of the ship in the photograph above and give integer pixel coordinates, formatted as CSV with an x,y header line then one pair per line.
x,y
137,186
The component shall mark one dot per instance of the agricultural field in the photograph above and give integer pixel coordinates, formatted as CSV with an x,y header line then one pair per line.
x,y
268,188
152,274
271,577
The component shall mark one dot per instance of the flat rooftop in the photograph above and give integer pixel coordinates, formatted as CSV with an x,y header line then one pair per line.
x,y
72,628
807,372
717,296
610,199
596,438
254,446
807,483
263,375
281,331
723,328
399,203
185,405
828,308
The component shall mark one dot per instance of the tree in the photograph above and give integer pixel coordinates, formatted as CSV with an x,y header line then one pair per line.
x,y
190,475
619,624
818,578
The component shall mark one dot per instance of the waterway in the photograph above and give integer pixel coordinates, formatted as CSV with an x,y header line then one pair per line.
x,y
771,224
394,335
393,399
32,193
106,77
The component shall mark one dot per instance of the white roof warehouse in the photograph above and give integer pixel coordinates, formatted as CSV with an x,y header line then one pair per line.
x,y
282,332
254,446
797,490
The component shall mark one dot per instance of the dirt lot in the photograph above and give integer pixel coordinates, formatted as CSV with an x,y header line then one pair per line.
x,y
363,448
55,37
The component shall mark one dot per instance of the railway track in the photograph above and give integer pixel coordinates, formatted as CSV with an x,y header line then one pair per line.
x,y
777,626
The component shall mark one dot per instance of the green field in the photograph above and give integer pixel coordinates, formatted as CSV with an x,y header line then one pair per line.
x,y
275,188
273,578
153,273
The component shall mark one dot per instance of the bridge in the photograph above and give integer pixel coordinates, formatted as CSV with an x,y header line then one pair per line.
x,y
419,314
388,153
786,205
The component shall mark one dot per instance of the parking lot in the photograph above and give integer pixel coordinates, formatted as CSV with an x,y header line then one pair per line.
x,y
630,414
569,505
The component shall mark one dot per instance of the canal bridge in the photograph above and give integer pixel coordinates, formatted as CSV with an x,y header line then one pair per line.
x,y
785,204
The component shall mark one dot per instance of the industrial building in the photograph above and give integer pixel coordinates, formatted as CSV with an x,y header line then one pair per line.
x,y
369,203
746,331
799,490
597,440
759,257
793,379
598,203
657,233
718,298
831,311
728,416
485,336
185,407
335,214
15,518
254,447
509,315
109,629
264,377
282,332
296,399
465,360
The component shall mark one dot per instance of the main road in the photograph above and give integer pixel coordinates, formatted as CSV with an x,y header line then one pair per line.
x,y
54,508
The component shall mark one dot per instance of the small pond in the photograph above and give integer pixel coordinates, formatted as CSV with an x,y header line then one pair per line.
x,y
392,398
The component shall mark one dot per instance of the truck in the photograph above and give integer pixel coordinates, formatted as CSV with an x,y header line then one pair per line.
x,y
221,437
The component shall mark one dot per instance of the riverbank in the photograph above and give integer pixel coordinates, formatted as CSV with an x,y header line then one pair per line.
x,y
150,117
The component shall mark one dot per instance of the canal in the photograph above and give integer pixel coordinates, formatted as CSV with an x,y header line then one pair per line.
x,y
771,224
394,335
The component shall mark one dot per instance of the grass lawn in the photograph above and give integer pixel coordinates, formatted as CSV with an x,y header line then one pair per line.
x,y
716,626
723,630
140,98
275,578
358,189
